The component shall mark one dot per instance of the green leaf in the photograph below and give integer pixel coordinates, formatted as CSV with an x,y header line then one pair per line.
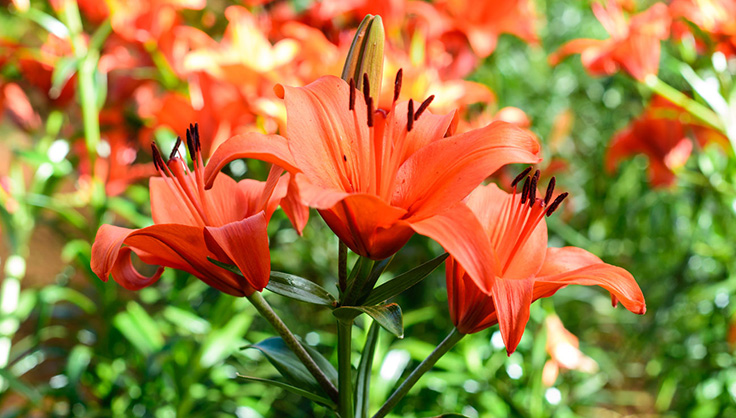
x,y
290,367
140,329
293,389
187,321
388,316
299,288
220,343
451,415
78,361
54,294
404,281
363,379
229,267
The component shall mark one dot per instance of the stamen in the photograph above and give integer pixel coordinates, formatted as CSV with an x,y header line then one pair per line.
x,y
366,88
195,136
410,116
556,203
397,83
520,176
425,104
550,190
525,191
175,149
351,106
158,162
190,143
369,108
533,188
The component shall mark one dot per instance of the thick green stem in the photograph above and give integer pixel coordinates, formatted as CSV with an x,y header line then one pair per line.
x,y
267,312
344,370
696,109
452,338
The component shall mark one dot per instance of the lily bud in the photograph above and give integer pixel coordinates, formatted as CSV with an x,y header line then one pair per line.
x,y
366,55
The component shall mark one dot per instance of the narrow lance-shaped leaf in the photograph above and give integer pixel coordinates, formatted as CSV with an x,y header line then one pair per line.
x,y
293,389
388,316
404,281
363,379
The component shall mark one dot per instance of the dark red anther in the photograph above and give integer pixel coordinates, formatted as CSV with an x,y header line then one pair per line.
x,y
366,88
190,142
525,190
520,176
553,207
550,190
410,116
158,162
176,148
369,109
533,188
351,106
397,83
195,135
425,104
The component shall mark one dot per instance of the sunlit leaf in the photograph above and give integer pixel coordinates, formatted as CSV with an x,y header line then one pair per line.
x,y
293,389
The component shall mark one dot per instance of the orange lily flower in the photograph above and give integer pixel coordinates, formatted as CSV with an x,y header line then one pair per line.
x,y
227,223
633,45
662,134
714,17
563,349
524,268
377,177
484,22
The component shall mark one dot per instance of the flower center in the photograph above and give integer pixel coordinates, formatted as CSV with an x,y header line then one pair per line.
x,y
520,217
388,146
186,185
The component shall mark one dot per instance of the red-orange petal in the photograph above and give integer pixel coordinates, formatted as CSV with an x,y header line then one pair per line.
x,y
513,299
127,276
458,231
246,244
446,171
270,148
572,265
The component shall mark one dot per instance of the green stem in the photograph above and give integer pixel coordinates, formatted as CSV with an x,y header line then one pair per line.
x,y
696,109
267,312
342,267
452,338
344,370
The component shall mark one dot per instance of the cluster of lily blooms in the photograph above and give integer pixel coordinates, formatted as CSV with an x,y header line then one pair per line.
x,y
376,176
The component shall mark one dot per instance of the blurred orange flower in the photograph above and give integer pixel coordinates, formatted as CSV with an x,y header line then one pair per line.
x,y
377,177
563,348
483,22
634,45
524,268
662,133
713,17
227,223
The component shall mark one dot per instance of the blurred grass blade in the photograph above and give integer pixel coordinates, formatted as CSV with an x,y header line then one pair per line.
x,y
220,343
299,288
140,329
388,316
17,385
63,72
77,363
54,294
293,389
289,366
363,379
404,281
